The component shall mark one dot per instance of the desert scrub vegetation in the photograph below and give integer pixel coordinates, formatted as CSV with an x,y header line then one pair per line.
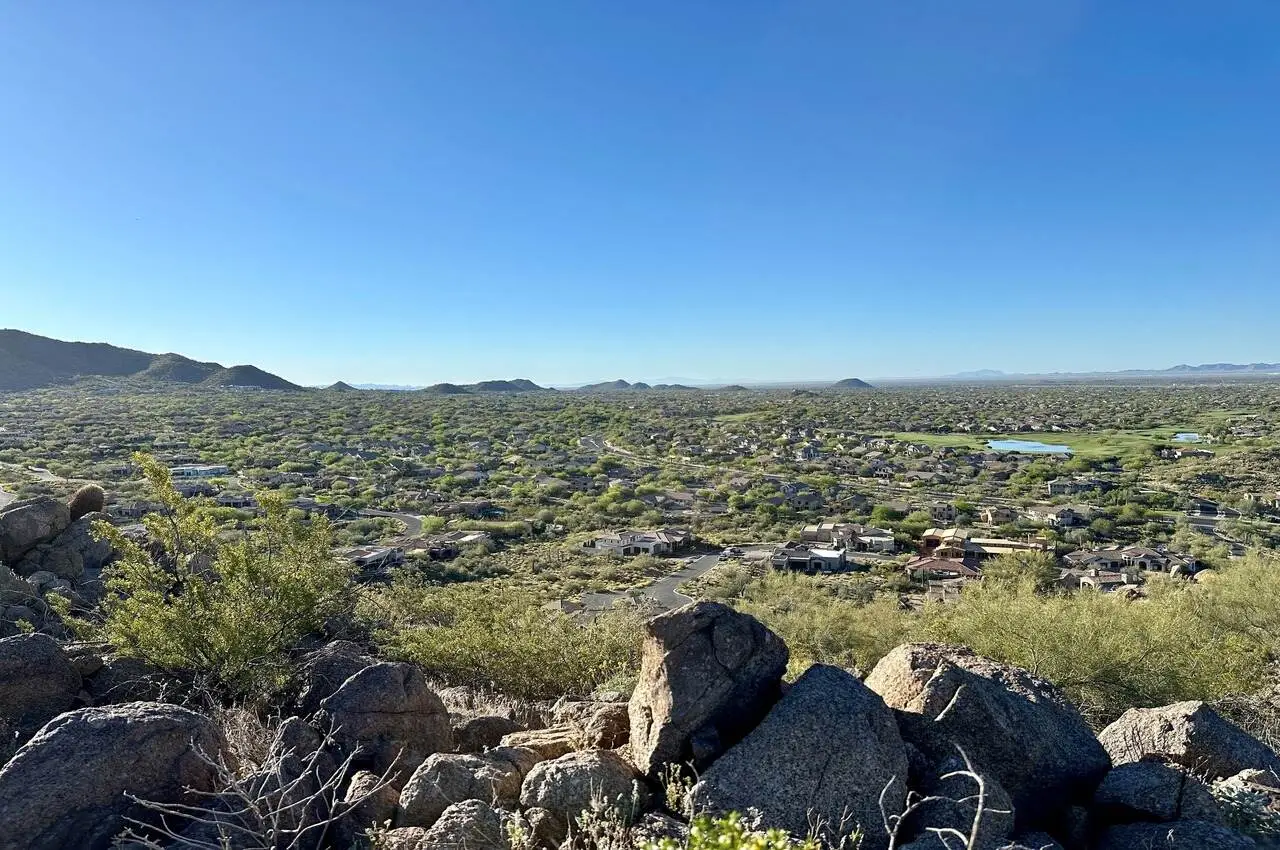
x,y
1106,653
226,608
819,620
1207,640
504,640
729,832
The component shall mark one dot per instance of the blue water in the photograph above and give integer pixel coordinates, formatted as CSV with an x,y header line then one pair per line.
x,y
1188,437
1032,446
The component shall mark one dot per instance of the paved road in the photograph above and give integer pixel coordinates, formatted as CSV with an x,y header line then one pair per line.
x,y
412,522
664,591
6,497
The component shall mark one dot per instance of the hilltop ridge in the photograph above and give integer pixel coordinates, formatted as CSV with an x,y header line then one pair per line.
x,y
29,361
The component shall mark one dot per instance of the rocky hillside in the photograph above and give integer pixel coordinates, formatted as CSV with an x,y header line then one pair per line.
x,y
28,361
935,748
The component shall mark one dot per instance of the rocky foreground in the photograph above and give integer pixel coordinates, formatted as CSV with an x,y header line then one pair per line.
x,y
371,742
936,748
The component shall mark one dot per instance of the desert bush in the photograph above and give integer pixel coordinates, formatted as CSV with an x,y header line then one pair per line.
x,y
503,640
228,610
1106,653
820,626
1041,568
730,832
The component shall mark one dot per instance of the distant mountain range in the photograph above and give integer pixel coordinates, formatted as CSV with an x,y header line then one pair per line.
x,y
28,361
1181,370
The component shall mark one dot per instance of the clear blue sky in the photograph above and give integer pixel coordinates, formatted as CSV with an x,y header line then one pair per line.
x,y
417,191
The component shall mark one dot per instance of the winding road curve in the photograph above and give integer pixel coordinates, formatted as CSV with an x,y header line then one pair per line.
x,y
412,522
664,591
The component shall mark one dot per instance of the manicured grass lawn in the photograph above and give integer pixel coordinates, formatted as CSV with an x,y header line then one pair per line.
x,y
1085,444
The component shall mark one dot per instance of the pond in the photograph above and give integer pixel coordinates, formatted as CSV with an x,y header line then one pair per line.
x,y
1031,446
1187,437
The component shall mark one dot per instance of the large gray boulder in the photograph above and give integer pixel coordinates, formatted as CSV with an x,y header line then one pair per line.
x,y
123,678
72,553
1190,734
324,671
66,788
477,734
1014,727
469,825
37,681
602,725
388,717
827,750
26,524
951,801
1152,791
707,675
448,778
13,589
289,794
367,801
1180,835
572,784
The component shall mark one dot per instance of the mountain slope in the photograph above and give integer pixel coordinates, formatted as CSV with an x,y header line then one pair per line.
x,y
248,376
852,384
608,386
519,385
175,367
28,361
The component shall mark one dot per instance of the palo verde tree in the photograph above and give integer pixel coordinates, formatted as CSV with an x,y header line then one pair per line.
x,y
228,608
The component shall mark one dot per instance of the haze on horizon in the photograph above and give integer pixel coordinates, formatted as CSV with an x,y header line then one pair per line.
x,y
413,192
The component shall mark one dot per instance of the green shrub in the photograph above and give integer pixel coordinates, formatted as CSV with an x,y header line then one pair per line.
x,y
503,640
229,610
816,623
729,833
1106,653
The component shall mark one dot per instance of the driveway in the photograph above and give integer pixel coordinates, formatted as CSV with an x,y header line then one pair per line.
x,y
412,522
664,591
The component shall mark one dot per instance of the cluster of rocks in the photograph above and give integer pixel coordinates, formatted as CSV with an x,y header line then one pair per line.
x,y
933,736
49,546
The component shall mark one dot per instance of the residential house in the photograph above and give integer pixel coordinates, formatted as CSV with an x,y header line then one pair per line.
x,y
1107,560
1097,579
133,510
240,501
960,544
940,569
196,470
375,560
942,512
629,543
808,558
823,532
867,538
1060,516
1075,486
446,547
999,515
